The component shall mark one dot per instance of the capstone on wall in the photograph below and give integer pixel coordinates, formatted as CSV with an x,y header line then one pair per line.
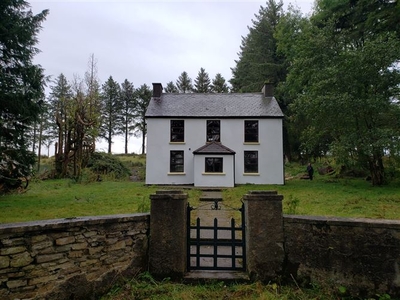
x,y
77,258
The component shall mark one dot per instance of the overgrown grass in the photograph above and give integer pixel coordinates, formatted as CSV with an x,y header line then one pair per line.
x,y
53,199
324,196
145,287
329,196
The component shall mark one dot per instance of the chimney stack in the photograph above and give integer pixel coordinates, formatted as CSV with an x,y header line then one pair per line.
x,y
268,90
157,90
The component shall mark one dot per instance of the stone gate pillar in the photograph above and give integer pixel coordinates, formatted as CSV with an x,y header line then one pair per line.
x,y
264,234
167,249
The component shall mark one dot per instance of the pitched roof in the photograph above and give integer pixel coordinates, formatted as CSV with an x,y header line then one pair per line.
x,y
217,105
213,148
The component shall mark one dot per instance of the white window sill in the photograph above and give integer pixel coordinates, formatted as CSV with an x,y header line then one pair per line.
x,y
251,174
211,173
176,173
177,143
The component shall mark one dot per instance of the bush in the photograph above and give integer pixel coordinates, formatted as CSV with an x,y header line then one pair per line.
x,y
105,164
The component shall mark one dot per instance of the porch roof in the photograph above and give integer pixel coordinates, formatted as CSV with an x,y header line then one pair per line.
x,y
214,148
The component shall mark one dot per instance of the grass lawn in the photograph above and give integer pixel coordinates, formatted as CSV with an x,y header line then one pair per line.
x,y
52,199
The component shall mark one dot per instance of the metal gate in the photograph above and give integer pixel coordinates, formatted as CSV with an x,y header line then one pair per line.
x,y
216,247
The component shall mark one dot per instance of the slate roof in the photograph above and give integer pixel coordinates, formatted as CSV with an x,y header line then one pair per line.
x,y
217,105
213,148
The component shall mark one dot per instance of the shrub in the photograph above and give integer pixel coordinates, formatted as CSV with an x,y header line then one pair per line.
x,y
105,164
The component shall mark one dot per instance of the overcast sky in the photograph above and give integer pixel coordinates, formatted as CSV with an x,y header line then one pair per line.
x,y
144,41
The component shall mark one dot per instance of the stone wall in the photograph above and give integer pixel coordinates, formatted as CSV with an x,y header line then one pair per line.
x,y
78,258
361,255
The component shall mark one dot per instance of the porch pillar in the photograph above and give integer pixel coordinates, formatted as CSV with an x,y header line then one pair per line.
x,y
167,249
264,235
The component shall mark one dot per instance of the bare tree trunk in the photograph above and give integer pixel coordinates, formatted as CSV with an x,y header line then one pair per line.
x,y
377,169
126,138
143,141
40,142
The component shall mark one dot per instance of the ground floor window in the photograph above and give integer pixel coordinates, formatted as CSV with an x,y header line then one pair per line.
x,y
214,165
176,161
251,161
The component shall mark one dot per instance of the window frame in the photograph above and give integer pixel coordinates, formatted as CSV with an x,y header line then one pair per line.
x,y
250,131
173,165
220,165
247,164
174,129
210,135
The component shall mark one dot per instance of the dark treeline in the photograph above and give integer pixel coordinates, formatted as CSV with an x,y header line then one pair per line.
x,y
337,80
335,72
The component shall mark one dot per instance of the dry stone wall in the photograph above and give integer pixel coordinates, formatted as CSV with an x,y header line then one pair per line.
x,y
360,256
71,258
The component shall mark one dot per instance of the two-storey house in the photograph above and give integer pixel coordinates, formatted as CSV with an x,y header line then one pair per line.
x,y
214,140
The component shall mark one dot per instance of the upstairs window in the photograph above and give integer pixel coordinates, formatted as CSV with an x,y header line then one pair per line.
x,y
176,164
213,131
177,131
213,165
251,131
251,161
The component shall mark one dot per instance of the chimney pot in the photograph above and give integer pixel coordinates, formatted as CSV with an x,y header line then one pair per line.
x,y
268,90
157,90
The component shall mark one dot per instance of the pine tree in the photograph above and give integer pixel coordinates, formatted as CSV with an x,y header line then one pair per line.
x,y
171,88
184,83
219,84
21,89
128,112
111,110
92,92
143,96
202,83
60,102
258,60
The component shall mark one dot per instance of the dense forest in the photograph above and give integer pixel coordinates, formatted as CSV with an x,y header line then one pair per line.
x,y
336,76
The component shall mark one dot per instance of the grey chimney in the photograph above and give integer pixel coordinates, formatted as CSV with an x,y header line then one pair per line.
x,y
268,90
157,90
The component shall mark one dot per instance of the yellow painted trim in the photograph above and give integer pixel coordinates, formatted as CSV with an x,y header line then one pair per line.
x,y
223,174
251,174
177,173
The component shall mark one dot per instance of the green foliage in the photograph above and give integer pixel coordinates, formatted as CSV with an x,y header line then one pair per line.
x,y
111,110
343,79
21,89
144,205
171,88
258,60
202,83
291,205
128,111
106,164
184,83
219,84
143,96
146,287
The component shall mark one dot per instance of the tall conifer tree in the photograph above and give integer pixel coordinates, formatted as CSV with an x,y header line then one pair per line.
x,y
21,89
184,83
111,110
202,82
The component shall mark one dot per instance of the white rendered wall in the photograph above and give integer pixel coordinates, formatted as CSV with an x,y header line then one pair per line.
x,y
270,150
224,179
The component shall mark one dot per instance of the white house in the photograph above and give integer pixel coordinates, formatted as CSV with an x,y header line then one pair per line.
x,y
214,140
